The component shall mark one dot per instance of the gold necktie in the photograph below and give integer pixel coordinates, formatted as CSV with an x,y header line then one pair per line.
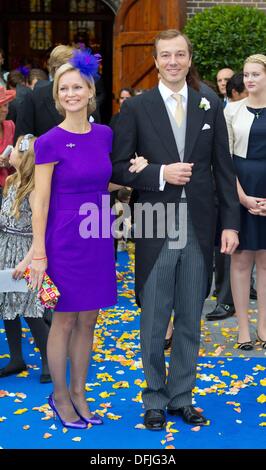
x,y
179,111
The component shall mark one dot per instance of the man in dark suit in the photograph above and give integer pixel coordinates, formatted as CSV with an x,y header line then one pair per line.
x,y
184,138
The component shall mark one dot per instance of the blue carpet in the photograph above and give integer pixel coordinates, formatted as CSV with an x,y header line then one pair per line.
x,y
231,391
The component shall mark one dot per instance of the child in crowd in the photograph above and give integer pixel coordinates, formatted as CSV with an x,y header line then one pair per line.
x,y
16,252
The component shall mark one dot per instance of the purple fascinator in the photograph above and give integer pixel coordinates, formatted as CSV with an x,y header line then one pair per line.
x,y
24,70
86,62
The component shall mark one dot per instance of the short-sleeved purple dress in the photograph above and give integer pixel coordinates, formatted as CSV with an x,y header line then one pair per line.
x,y
79,247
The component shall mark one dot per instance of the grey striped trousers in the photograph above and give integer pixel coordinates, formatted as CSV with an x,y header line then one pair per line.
x,y
178,280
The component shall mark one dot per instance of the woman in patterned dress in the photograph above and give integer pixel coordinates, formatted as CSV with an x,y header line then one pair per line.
x,y
16,253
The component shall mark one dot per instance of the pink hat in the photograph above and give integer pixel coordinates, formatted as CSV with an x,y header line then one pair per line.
x,y
6,95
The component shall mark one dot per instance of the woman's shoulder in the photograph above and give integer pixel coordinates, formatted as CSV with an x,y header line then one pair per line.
x,y
102,129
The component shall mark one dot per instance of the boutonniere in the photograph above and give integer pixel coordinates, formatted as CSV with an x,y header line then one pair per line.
x,y
204,104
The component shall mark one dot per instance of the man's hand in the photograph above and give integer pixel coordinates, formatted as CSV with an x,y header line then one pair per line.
x,y
229,242
178,173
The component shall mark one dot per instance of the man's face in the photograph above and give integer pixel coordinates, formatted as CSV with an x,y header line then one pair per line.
x,y
173,62
222,78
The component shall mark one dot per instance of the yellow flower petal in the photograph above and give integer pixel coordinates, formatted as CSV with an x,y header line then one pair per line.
x,y
261,399
20,411
121,384
114,417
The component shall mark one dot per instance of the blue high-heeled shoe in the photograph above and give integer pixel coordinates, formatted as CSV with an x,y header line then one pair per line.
x,y
79,424
94,420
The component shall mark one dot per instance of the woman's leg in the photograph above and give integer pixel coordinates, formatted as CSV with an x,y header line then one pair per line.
x,y
57,350
260,259
80,354
40,331
170,328
241,266
13,334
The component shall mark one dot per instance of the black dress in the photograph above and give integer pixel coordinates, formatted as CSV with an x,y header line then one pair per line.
x,y
251,172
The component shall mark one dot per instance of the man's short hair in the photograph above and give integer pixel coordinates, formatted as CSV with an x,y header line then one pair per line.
x,y
170,34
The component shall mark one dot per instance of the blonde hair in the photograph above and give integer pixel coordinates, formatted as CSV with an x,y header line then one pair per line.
x,y
256,59
23,178
59,56
89,80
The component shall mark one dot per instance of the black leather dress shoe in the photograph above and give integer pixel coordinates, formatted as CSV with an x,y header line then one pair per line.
x,y
189,414
45,379
5,372
253,293
167,343
155,420
221,312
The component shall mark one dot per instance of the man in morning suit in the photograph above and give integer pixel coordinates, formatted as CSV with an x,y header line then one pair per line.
x,y
184,138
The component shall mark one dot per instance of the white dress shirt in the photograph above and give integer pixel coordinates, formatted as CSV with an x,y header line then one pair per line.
x,y
170,102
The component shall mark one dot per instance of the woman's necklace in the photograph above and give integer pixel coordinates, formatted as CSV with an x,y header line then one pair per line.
x,y
258,113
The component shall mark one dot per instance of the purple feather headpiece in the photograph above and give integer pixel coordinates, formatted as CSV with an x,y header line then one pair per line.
x,y
24,70
86,62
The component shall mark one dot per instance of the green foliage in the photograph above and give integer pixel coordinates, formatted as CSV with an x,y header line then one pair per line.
x,y
224,36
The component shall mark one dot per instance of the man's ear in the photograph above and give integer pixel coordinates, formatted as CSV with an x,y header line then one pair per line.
x,y
156,63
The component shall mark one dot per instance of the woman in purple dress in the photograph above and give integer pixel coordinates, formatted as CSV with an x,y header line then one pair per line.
x,y
71,227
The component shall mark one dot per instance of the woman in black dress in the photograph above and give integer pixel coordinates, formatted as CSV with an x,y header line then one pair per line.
x,y
246,122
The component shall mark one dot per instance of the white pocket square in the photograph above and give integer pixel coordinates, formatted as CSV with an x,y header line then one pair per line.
x,y
205,127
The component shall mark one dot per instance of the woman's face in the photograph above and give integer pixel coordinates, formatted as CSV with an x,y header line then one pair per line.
x,y
73,92
3,112
124,95
255,78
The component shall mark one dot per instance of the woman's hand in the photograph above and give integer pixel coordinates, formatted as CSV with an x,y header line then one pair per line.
x,y
262,206
252,204
138,164
37,270
19,270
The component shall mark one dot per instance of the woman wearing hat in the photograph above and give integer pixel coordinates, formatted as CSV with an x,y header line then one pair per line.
x,y
7,130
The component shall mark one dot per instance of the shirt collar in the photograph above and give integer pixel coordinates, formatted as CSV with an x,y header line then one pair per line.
x,y
166,92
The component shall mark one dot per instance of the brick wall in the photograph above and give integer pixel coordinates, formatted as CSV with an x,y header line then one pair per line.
x,y
196,6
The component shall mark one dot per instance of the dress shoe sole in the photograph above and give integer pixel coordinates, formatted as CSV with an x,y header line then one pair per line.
x,y
157,428
217,318
177,413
